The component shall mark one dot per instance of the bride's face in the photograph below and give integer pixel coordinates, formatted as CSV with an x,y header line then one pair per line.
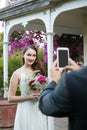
x,y
30,56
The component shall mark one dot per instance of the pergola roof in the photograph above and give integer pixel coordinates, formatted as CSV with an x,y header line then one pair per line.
x,y
25,7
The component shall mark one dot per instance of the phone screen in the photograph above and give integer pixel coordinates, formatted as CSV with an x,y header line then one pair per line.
x,y
63,58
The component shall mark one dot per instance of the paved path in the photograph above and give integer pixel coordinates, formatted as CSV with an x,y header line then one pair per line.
x,y
59,124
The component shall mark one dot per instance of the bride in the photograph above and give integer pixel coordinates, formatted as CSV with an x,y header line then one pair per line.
x,y
28,115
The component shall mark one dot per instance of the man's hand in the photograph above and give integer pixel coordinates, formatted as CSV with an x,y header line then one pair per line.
x,y
55,72
72,66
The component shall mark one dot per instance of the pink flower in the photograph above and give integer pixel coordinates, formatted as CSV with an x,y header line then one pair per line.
x,y
37,83
41,78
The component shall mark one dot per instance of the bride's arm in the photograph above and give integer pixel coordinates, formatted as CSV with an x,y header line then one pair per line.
x,y
12,97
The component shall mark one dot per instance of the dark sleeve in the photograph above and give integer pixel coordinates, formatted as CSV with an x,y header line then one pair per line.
x,y
55,99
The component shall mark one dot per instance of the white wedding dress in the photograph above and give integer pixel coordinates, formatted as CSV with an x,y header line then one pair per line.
x,y
28,115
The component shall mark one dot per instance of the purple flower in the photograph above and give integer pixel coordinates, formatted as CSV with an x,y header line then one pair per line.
x,y
41,79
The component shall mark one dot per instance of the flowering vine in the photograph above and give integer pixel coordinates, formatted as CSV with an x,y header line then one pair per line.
x,y
19,39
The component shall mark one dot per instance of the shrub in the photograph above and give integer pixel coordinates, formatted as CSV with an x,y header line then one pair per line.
x,y
1,72
14,62
1,50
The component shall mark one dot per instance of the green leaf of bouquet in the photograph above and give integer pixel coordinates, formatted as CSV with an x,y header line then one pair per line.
x,y
29,88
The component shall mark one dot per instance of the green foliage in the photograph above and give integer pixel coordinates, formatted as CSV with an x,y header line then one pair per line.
x,y
1,73
1,50
1,45
18,92
40,54
14,62
1,36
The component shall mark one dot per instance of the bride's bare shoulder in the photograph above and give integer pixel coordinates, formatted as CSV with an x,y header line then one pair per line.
x,y
17,72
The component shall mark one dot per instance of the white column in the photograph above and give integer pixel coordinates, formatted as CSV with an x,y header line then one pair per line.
x,y
50,62
49,30
50,51
5,62
85,40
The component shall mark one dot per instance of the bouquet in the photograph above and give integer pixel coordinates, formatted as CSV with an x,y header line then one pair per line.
x,y
37,83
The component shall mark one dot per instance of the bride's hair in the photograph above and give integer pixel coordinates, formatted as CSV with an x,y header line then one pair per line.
x,y
37,65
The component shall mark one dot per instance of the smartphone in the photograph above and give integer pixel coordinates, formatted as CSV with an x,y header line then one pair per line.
x,y
62,57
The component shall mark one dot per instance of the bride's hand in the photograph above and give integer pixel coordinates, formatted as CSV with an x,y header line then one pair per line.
x,y
34,95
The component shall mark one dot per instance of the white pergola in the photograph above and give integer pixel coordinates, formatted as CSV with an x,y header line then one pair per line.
x,y
51,16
